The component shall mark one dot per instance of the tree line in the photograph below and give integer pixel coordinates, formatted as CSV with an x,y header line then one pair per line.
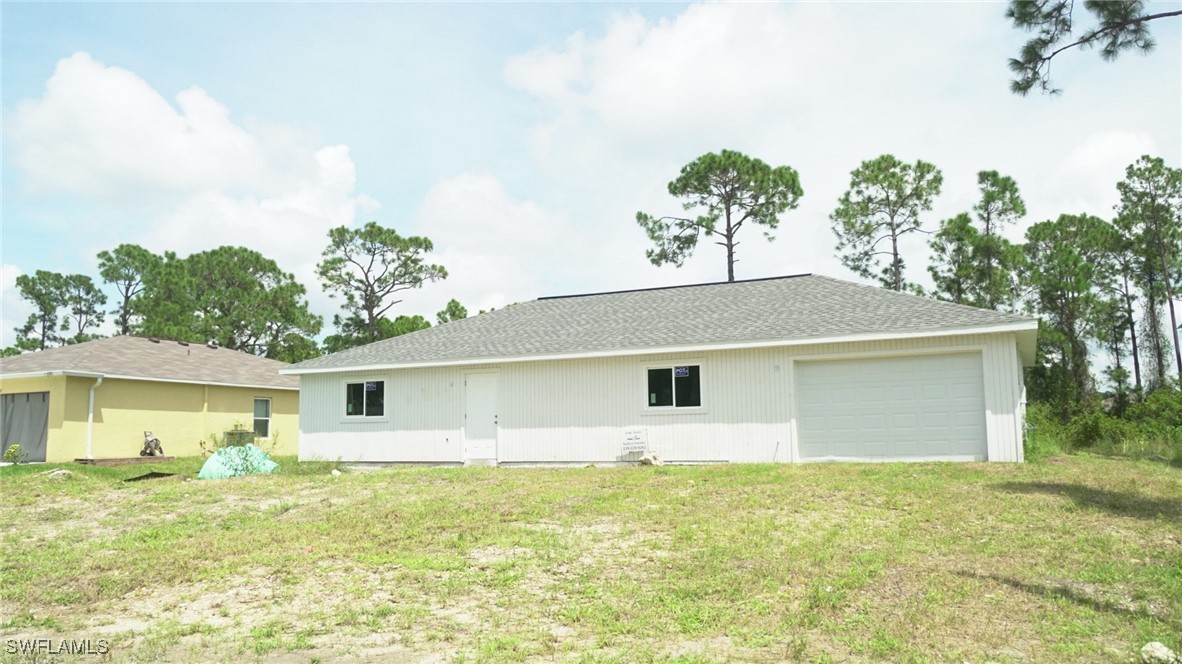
x,y
1095,284
1105,284
236,297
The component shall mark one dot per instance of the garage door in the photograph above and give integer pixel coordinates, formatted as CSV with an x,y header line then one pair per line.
x,y
925,407
24,421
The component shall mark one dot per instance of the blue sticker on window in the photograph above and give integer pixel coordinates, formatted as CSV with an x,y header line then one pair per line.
x,y
681,372
371,387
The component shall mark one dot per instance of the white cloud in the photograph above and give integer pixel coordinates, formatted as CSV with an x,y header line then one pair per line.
x,y
291,227
185,177
1085,179
13,309
711,66
820,87
497,249
103,131
610,113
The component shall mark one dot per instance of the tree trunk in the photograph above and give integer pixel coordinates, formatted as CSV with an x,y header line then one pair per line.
x,y
896,272
730,247
1080,369
125,317
1165,266
1174,333
730,261
1155,346
989,266
1132,334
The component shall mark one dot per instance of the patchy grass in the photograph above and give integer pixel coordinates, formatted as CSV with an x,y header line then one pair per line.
x,y
1069,559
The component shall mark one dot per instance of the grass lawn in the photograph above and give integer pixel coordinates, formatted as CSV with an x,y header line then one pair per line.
x,y
1073,559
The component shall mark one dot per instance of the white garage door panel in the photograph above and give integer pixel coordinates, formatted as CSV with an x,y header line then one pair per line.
x,y
917,407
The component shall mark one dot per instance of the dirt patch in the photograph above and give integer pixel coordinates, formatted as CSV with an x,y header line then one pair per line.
x,y
242,599
491,555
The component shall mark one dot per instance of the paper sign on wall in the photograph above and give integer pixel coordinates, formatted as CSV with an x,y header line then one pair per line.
x,y
681,372
635,440
371,387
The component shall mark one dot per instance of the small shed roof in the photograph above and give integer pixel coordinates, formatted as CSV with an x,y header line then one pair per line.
x,y
144,358
781,310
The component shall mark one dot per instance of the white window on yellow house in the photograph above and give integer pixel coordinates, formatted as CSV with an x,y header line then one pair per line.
x,y
262,417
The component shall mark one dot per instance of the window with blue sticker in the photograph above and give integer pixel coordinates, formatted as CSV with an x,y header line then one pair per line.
x,y
677,386
367,399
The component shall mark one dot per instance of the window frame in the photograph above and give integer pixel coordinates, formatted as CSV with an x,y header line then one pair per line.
x,y
363,417
270,416
674,409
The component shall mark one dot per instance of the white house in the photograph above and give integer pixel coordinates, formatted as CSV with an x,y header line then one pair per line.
x,y
802,368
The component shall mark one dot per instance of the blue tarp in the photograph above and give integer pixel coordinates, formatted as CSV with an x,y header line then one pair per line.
x,y
236,460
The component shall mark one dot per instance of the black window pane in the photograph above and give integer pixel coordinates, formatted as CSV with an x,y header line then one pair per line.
x,y
375,398
660,387
262,428
689,386
354,398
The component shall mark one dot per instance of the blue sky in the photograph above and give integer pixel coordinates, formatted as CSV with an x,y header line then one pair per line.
x,y
522,138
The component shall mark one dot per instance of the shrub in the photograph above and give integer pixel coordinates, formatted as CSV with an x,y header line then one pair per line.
x,y
1151,429
1043,434
1156,425
1163,406
14,455
1095,428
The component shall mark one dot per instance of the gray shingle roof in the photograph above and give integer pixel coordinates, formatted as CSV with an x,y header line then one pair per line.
x,y
140,357
767,310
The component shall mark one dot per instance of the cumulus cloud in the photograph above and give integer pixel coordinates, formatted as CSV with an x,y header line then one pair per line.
x,y
184,176
1084,179
497,248
13,310
103,131
819,87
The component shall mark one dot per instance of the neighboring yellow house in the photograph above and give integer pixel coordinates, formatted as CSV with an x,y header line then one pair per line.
x,y
96,399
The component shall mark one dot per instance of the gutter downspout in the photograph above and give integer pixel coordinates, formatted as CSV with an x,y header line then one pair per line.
x,y
90,418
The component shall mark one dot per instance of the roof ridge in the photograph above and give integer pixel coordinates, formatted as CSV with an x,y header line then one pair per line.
x,y
658,288
891,293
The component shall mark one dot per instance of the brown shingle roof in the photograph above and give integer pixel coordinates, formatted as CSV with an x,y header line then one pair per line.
x,y
139,357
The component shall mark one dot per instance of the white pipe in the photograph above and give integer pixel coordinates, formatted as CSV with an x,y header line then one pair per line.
x,y
90,418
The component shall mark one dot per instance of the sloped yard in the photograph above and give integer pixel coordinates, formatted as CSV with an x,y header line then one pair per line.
x,y
1075,559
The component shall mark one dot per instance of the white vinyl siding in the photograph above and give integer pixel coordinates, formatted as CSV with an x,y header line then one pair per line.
x,y
576,411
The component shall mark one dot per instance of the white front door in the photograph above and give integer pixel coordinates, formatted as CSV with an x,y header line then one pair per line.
x,y
480,417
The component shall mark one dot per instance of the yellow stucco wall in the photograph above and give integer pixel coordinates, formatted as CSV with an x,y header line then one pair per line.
x,y
56,386
179,414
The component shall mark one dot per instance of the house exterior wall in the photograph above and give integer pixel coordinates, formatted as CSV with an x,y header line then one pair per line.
x,y
179,414
56,386
576,411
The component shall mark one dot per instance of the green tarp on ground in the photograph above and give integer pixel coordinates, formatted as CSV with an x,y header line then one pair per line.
x,y
237,460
